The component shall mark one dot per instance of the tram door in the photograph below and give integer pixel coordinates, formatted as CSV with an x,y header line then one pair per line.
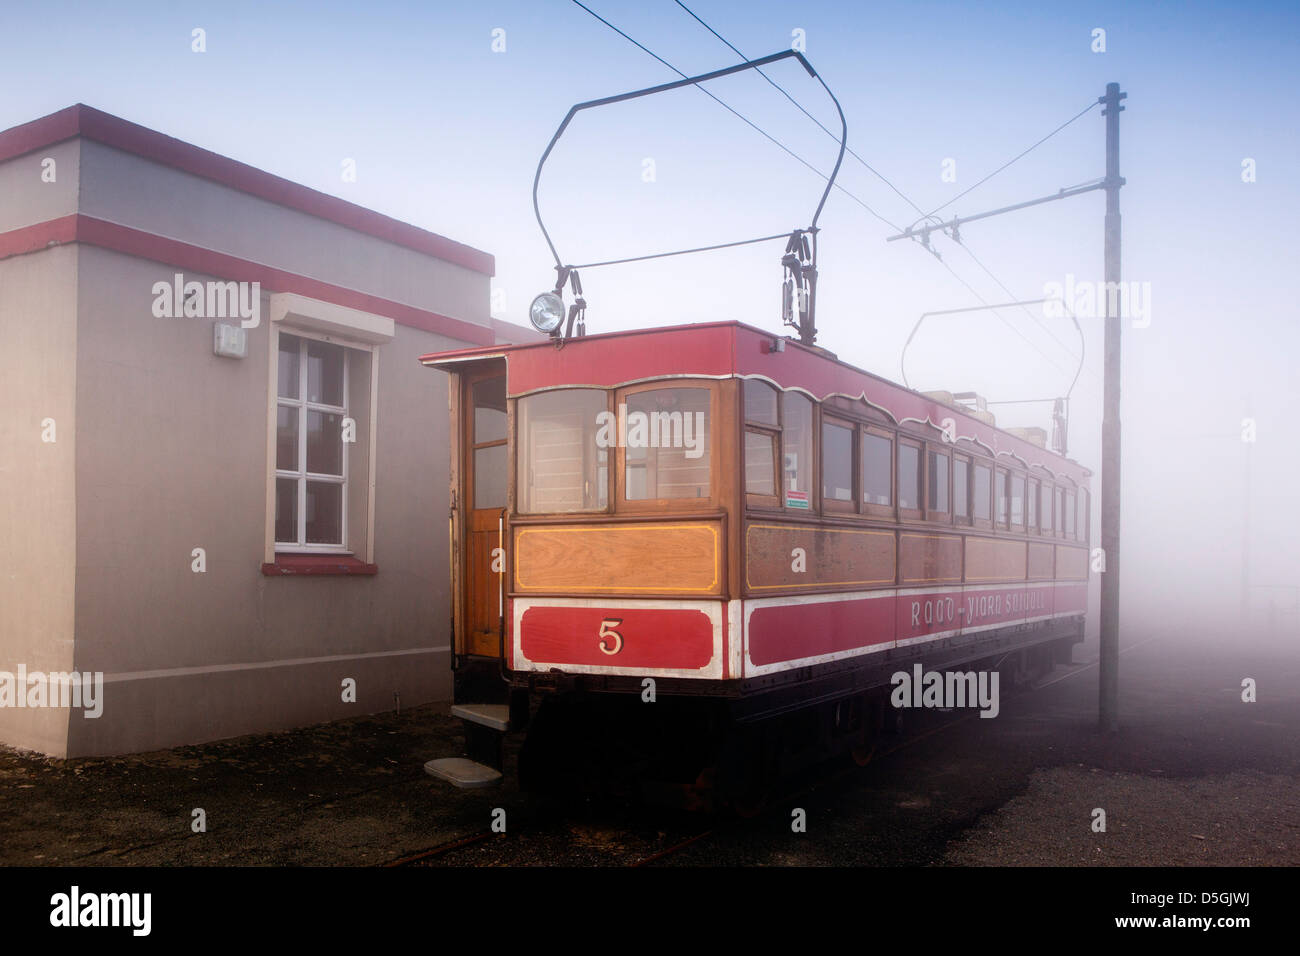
x,y
487,467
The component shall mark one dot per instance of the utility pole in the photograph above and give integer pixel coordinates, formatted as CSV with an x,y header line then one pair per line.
x,y
1108,671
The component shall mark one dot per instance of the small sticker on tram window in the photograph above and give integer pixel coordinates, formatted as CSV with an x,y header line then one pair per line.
x,y
796,499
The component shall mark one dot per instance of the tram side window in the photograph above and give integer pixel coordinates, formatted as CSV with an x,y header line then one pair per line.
x,y
667,444
797,450
1018,501
1060,510
1031,503
837,465
1000,493
562,461
909,476
762,436
937,494
877,471
980,502
1084,517
1069,514
960,488
1045,507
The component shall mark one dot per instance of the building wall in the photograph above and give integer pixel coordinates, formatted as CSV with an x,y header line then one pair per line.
x,y
28,199
173,457
38,328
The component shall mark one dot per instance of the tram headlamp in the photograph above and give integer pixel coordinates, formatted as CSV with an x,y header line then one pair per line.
x,y
546,313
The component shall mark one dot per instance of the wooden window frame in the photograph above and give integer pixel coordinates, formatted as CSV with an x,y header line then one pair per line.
x,y
909,514
1023,527
622,505
946,516
770,502
814,477
834,505
976,521
870,508
966,519
516,420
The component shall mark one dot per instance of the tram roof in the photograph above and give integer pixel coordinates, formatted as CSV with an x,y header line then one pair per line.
x,y
721,350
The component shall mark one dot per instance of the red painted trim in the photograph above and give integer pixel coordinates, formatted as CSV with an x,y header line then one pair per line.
x,y
183,255
334,564
84,121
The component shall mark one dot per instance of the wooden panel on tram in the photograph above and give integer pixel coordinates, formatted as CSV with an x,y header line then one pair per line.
x,y
929,558
1041,561
1071,563
634,558
805,556
990,560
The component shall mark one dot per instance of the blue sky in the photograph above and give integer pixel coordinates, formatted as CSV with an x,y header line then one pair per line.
x,y
446,134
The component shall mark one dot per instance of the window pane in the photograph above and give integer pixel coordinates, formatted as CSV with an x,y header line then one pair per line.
x,y
490,477
1018,500
760,472
286,438
1069,514
287,371
909,476
1060,508
837,462
563,451
1000,495
1083,514
489,399
324,443
980,505
325,373
796,448
324,512
938,482
760,403
1031,500
877,469
286,510
960,487
667,444
1046,507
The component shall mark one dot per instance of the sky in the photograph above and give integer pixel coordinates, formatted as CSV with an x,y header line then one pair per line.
x,y
445,109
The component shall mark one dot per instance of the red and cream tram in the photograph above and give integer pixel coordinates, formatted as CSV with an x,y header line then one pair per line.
x,y
730,540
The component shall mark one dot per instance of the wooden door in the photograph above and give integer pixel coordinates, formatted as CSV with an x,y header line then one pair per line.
x,y
485,436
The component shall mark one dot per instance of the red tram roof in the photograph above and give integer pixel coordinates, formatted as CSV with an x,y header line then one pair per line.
x,y
734,350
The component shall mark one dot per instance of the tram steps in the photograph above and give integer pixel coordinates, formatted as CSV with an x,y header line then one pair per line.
x,y
485,728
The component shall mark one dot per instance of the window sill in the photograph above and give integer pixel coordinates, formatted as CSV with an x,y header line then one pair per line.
x,y
331,564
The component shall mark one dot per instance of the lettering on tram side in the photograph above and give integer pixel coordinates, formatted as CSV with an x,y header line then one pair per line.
x,y
988,606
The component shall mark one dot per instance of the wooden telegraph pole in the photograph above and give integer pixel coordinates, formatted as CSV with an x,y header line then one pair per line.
x,y
1108,670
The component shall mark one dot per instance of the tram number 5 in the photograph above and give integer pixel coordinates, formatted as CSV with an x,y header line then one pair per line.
x,y
611,641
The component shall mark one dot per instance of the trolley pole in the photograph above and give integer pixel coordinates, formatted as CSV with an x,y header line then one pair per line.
x,y
1108,677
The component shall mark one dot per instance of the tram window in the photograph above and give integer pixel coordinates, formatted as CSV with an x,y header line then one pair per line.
x,y
877,469
1084,517
960,487
1000,494
1031,503
760,463
797,450
760,403
980,502
563,457
666,453
909,476
1017,501
1045,507
938,486
837,463
1069,514
1059,508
